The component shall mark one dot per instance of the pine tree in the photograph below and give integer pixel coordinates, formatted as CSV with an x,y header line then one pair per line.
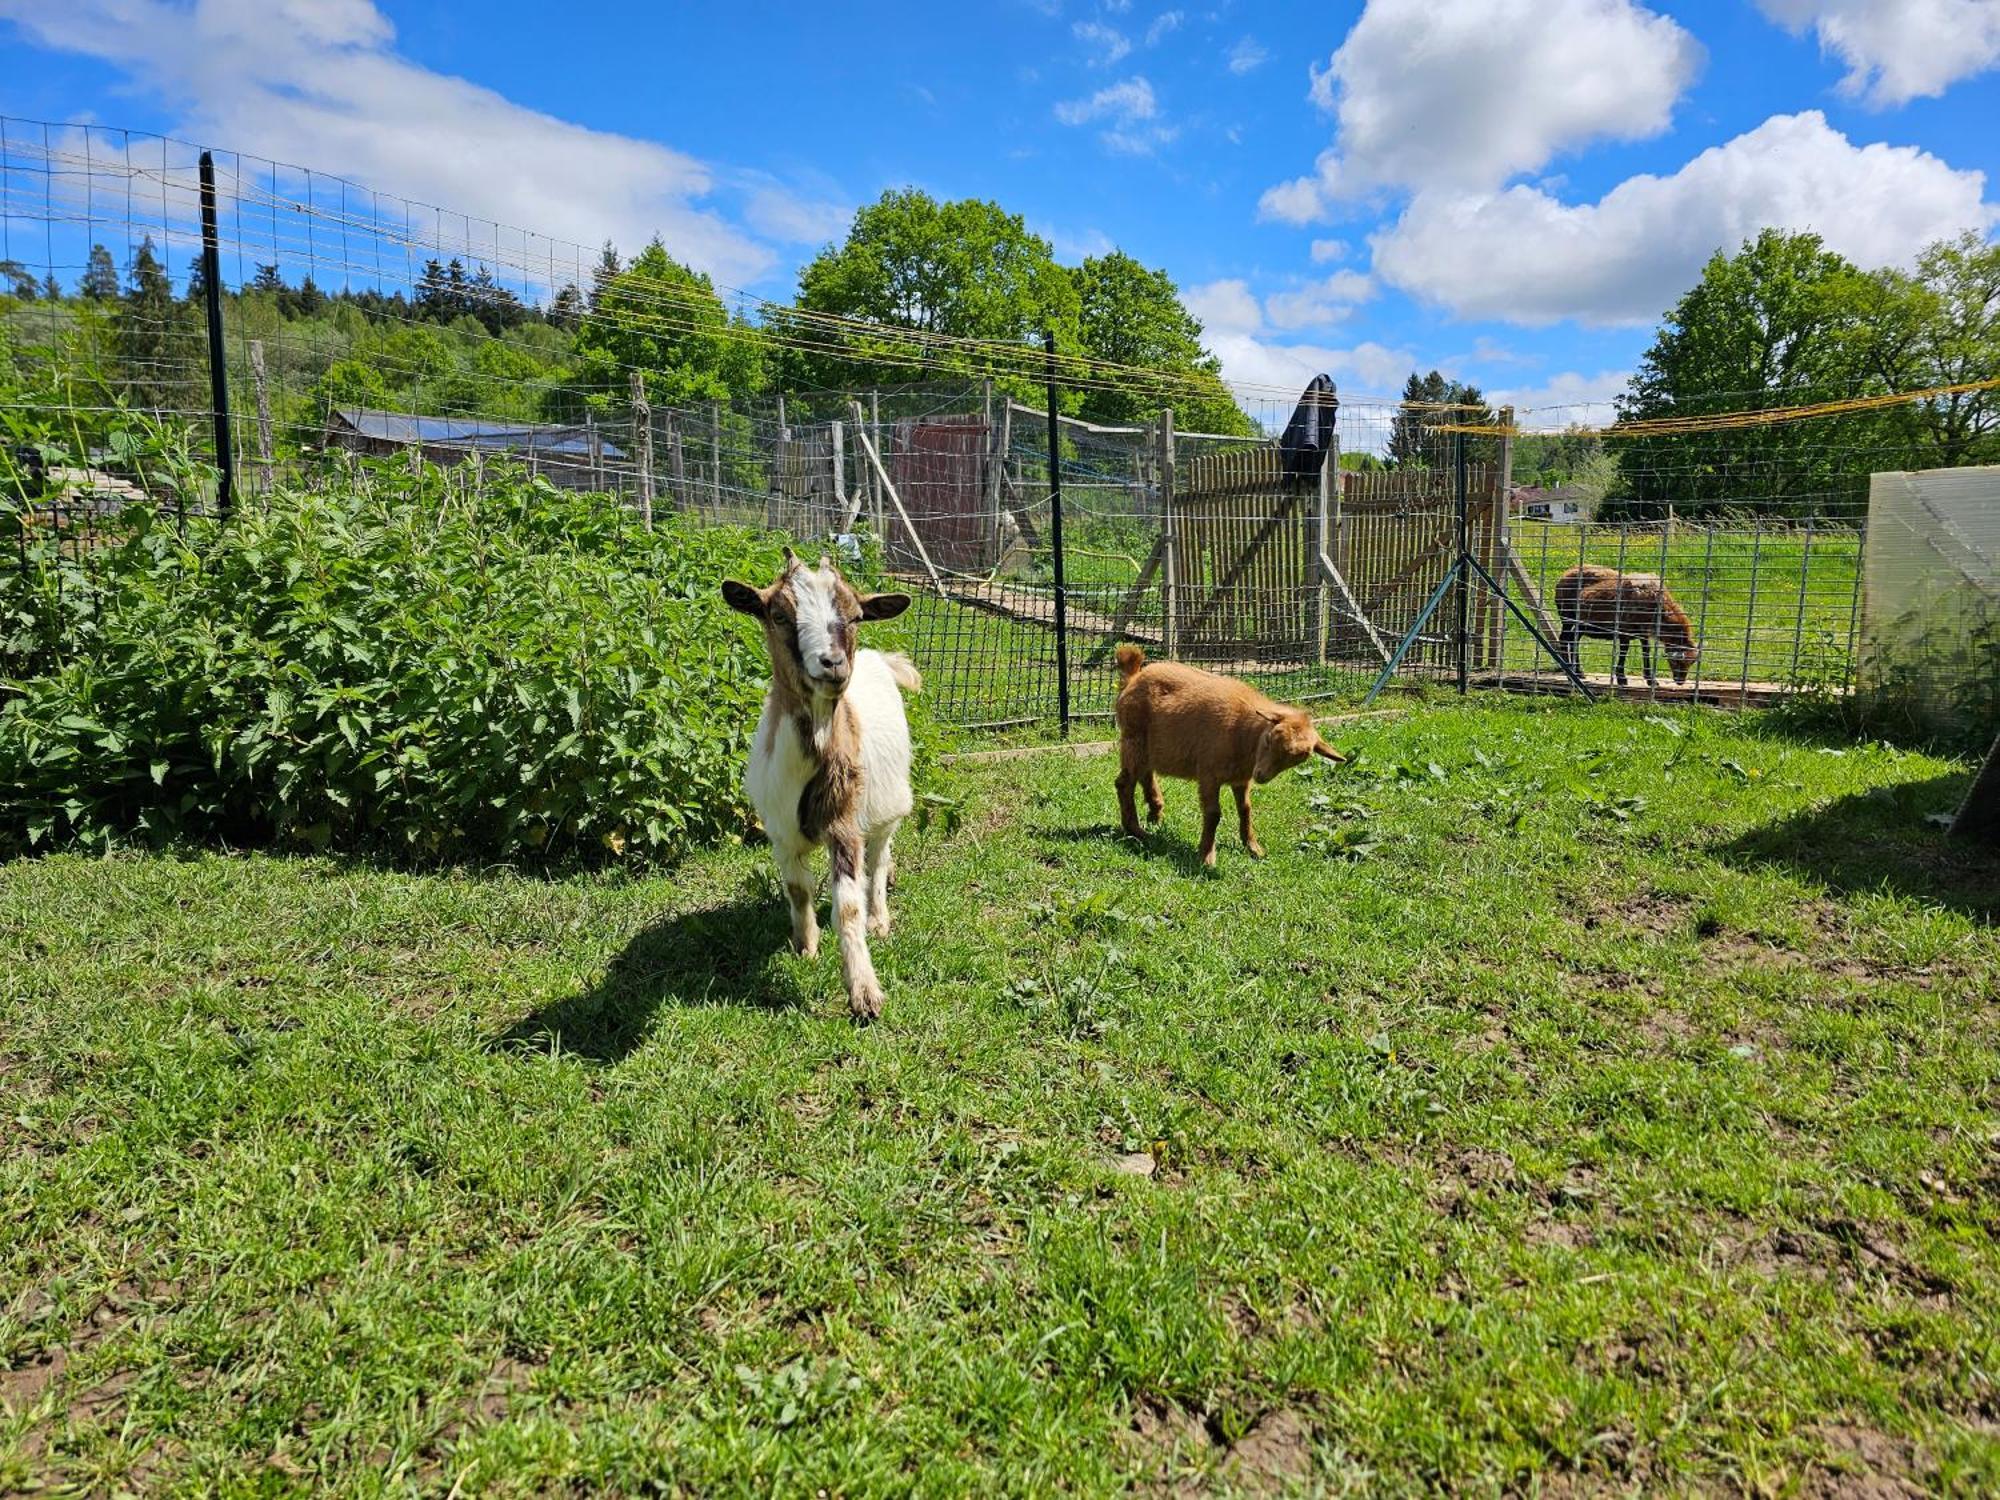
x,y
152,330
100,277
607,269
567,310
1429,400
20,280
267,279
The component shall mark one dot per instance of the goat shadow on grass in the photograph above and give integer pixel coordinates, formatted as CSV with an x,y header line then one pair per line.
x,y
1158,843
1882,839
735,953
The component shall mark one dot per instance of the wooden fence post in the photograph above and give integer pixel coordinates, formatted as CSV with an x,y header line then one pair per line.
x,y
1170,629
263,414
642,445
838,463
675,458
875,437
1500,541
1329,476
715,455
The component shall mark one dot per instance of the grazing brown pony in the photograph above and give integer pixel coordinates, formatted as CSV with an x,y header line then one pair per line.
x,y
1215,731
1622,607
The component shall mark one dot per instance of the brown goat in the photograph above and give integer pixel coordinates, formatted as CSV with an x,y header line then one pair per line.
x,y
1622,607
1214,731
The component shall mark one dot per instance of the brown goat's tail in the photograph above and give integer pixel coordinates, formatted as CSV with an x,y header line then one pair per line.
x,y
1130,659
904,671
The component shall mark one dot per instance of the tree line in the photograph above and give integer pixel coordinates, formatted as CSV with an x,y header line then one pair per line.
x,y
1781,321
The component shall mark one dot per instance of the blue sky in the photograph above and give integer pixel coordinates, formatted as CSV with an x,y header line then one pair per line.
x,y
1512,190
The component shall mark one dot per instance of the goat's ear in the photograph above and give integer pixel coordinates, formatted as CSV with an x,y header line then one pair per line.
x,y
1321,747
884,606
742,598
1271,717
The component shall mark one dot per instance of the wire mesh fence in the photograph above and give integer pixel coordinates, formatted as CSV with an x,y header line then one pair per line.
x,y
355,327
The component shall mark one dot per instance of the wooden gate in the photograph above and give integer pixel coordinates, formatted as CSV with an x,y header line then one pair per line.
x,y
807,496
1394,533
1252,579
939,468
1244,560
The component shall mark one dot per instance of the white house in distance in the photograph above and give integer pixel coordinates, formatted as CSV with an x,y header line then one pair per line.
x,y
1562,503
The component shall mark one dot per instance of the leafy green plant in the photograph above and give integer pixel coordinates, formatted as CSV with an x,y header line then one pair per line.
x,y
396,664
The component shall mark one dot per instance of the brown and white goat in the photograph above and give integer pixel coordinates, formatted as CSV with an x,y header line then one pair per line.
x,y
831,761
1175,720
1622,607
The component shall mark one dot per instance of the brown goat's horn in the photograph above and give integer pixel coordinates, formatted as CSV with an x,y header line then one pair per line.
x,y
1323,748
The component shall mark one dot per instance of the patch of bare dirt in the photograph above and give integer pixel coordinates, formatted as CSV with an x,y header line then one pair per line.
x,y
1275,1453
1182,1453
508,1379
1866,1462
1653,912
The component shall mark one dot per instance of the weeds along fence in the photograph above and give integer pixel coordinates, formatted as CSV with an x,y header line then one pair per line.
x,y
280,324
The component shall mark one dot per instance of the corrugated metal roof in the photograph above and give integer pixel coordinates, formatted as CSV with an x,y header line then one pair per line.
x,y
471,432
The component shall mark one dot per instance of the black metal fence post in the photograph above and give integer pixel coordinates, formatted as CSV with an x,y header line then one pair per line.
x,y
1464,551
218,365
1056,541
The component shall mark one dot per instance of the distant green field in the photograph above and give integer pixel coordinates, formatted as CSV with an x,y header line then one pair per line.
x,y
1769,606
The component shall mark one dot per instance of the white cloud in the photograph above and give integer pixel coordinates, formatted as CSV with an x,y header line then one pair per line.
x,y
1319,303
320,82
1259,368
1247,56
1522,255
1130,112
1108,44
1074,246
1225,306
777,213
1166,23
1562,399
1327,250
1131,100
1898,50
1295,202
1467,93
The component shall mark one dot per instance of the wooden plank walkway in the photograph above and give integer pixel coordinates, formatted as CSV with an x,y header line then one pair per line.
x,y
1710,694
1011,601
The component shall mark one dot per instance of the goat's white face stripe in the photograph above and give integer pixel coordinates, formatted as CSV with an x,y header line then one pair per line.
x,y
818,612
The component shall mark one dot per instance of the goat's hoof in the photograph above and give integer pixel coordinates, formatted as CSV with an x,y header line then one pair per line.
x,y
1255,851
878,925
864,1003
1153,814
806,947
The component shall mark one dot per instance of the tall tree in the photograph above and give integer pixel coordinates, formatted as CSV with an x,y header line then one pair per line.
x,y
966,269
658,316
153,333
19,280
608,266
100,276
1129,314
267,279
1782,322
1428,401
1941,327
566,312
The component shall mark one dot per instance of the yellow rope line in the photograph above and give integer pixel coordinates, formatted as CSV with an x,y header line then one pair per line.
x,y
1725,421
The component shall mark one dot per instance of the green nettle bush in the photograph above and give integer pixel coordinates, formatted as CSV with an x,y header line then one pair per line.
x,y
395,665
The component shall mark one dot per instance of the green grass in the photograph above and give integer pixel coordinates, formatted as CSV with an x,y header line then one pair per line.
x,y
1575,1098
1770,606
